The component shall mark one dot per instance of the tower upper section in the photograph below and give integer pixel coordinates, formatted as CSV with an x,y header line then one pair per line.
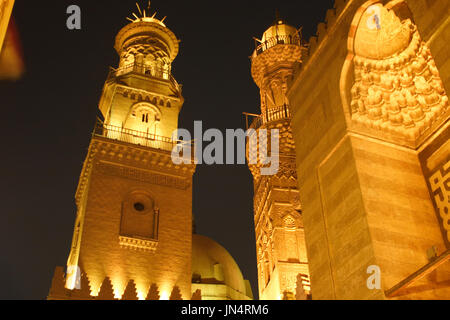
x,y
149,44
279,48
273,63
141,99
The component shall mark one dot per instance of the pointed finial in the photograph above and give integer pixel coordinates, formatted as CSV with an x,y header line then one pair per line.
x,y
278,19
145,15
139,8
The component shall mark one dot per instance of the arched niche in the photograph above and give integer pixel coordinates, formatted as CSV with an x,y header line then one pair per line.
x,y
140,216
143,117
390,86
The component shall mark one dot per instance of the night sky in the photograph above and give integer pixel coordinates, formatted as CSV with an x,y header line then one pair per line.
x,y
48,117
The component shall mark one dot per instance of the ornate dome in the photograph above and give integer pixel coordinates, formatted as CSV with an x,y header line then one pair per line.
x,y
279,28
213,265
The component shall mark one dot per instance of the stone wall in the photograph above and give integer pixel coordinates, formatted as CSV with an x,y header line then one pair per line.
x,y
364,193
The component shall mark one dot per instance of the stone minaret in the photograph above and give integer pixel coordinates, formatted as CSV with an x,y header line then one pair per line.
x,y
282,260
133,228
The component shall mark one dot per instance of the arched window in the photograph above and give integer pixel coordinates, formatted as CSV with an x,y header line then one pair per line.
x,y
140,217
143,117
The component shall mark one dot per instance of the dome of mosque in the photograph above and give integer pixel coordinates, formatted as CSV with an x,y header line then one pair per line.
x,y
279,28
213,265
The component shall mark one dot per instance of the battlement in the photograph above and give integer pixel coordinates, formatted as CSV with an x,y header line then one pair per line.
x,y
332,18
107,291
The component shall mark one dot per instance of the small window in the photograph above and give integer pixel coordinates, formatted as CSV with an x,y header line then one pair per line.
x,y
145,117
139,206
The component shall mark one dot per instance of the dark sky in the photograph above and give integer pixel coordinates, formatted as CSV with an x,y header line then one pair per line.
x,y
49,114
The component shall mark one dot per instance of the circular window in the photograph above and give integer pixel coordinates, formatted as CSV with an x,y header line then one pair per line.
x,y
138,206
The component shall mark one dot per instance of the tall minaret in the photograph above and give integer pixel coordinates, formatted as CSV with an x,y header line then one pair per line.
x,y
133,228
282,260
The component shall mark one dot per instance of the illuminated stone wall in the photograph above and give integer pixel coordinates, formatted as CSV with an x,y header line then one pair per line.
x,y
6,7
370,123
133,230
117,171
280,242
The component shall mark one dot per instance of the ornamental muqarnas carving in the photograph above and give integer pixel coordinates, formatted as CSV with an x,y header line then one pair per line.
x,y
390,86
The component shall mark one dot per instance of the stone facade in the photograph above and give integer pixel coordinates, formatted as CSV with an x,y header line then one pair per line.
x,y
133,230
133,236
362,112
370,124
6,7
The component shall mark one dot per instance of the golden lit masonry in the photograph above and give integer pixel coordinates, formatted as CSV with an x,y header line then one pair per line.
x,y
133,236
370,120
280,243
359,208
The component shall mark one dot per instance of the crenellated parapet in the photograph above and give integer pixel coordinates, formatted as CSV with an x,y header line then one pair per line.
x,y
107,291
331,19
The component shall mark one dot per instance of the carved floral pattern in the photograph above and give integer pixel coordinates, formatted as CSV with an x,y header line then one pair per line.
x,y
396,90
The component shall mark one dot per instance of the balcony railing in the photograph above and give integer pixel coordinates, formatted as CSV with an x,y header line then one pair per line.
x,y
143,70
278,39
272,114
136,137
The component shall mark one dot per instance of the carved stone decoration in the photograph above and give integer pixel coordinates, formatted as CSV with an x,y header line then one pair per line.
x,y
143,175
440,186
138,244
288,281
289,222
390,85
294,199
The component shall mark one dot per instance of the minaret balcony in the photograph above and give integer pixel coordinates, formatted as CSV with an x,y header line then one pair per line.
x,y
278,39
145,139
144,70
270,115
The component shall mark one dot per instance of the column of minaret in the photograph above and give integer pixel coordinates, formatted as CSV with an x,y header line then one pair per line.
x,y
58,290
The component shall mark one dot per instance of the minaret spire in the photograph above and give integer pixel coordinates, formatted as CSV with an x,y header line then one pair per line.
x,y
144,15
277,15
